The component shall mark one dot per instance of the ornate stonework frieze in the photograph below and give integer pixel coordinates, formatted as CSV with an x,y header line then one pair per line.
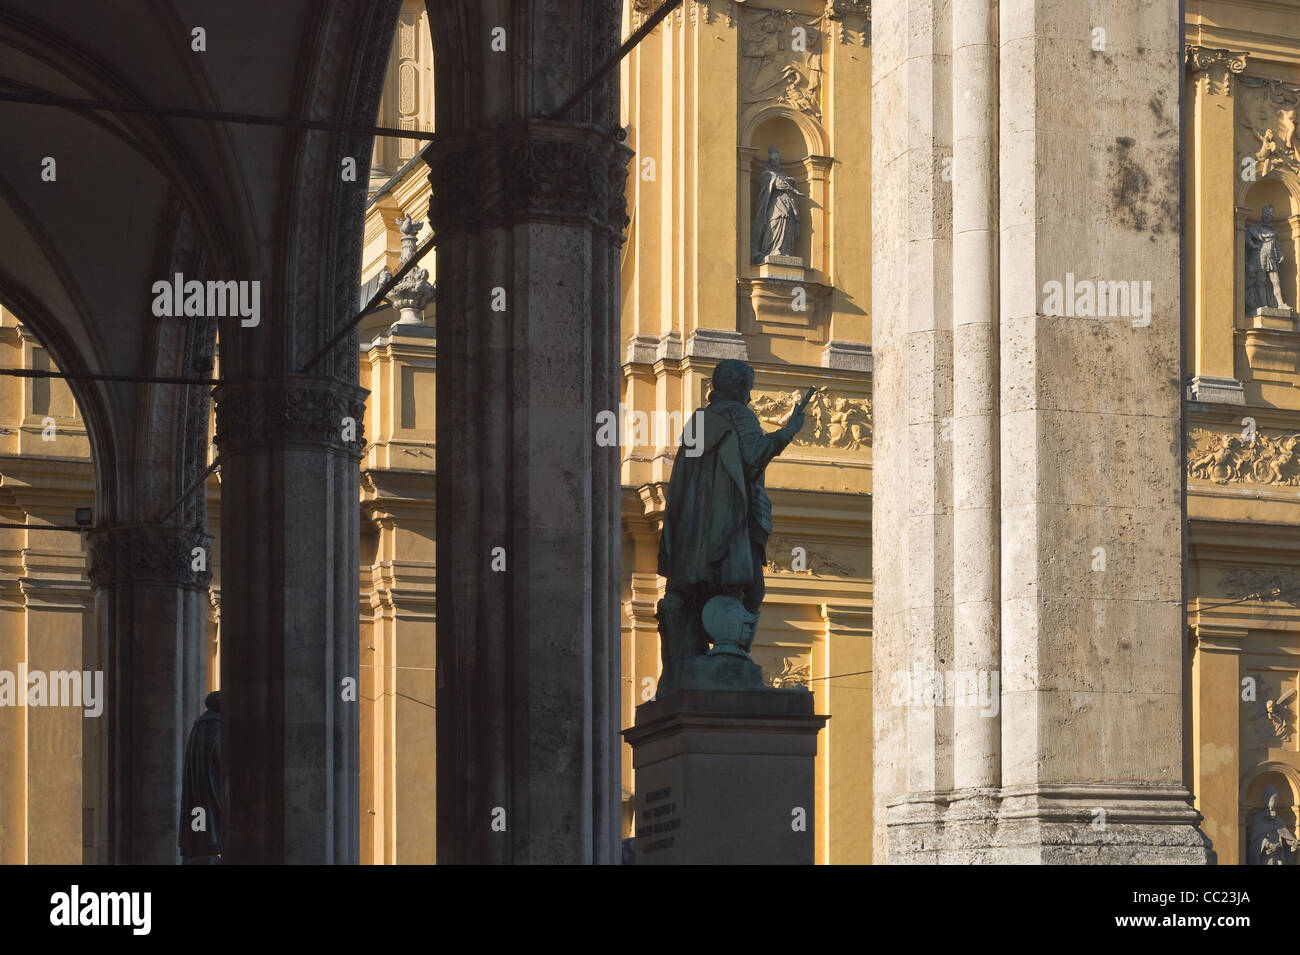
x,y
814,561
1266,123
1217,66
296,410
1272,714
1241,459
793,673
833,421
781,59
537,170
1266,584
138,553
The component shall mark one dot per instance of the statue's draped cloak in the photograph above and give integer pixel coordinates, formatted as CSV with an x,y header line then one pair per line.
x,y
768,231
705,539
201,786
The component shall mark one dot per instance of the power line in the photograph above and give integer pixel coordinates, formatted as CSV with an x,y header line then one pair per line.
x,y
211,115
140,379
43,527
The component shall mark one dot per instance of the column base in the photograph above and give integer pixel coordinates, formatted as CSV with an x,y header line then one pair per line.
x,y
1069,824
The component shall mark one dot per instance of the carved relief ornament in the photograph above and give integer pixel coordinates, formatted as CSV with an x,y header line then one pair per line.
x,y
1217,67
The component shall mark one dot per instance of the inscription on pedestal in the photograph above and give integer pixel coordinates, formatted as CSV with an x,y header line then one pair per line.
x,y
658,821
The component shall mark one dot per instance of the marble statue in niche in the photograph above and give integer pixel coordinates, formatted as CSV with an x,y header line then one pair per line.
x,y
1270,841
776,214
1263,260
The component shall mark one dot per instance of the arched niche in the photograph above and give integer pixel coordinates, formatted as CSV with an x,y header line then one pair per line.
x,y
802,144
1285,781
1281,190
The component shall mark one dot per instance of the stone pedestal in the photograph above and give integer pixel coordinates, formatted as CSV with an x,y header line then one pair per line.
x,y
1282,319
725,777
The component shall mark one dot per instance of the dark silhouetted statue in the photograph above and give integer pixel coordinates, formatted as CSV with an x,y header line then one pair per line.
x,y
715,530
200,823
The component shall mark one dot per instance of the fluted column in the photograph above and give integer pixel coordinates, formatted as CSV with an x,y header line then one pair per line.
x,y
150,609
977,750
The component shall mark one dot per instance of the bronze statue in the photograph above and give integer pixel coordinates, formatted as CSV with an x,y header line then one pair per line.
x,y
201,796
715,530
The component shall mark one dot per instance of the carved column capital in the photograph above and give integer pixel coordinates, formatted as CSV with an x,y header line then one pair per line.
x,y
529,171
851,15
148,553
1218,67
299,410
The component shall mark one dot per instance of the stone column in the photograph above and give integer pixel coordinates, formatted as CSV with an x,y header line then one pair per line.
x,y
1089,468
1213,176
150,608
290,542
911,336
976,518
528,216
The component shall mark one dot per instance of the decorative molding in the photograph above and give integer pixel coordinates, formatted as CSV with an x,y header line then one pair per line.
x,y
1273,714
1263,584
850,14
143,553
794,673
1209,389
719,343
1232,459
773,72
293,410
534,170
414,293
847,356
1266,123
832,421
780,557
1218,66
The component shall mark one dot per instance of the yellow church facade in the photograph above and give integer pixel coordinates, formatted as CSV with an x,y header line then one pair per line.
x,y
707,96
